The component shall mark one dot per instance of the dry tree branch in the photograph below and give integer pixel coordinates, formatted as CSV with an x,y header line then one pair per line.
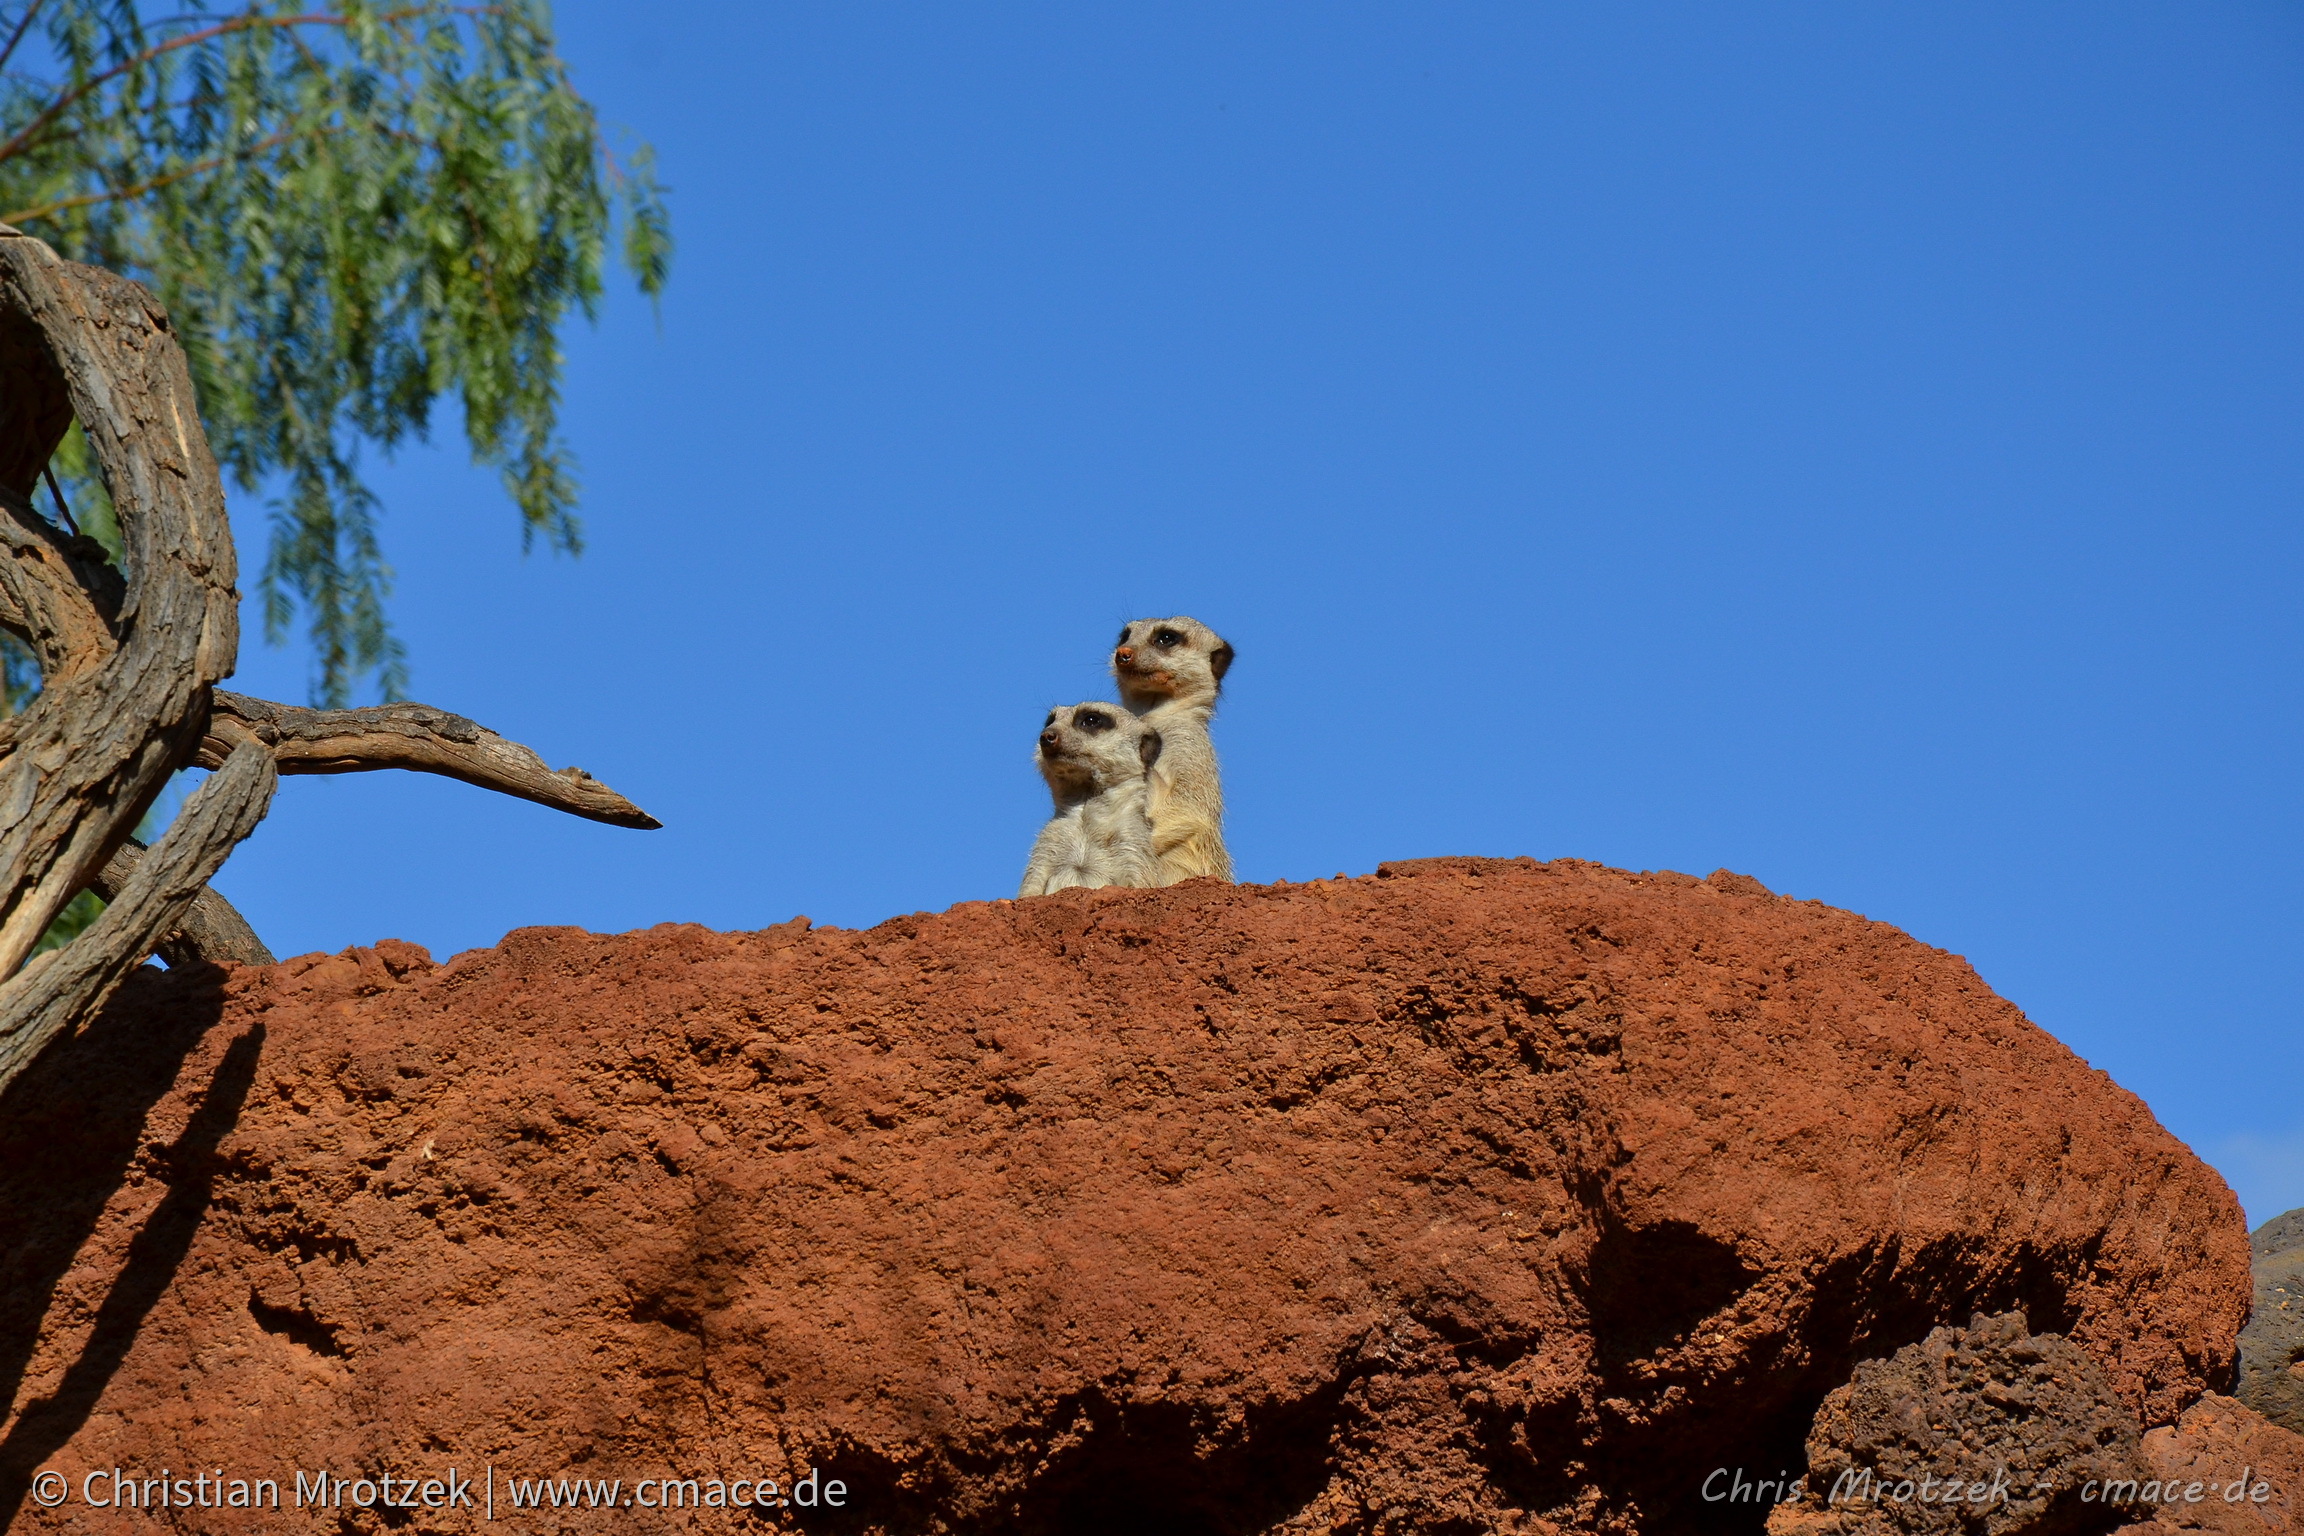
x,y
129,660
64,986
412,736
211,929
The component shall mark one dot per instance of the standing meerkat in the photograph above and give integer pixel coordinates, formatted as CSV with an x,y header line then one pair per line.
x,y
1095,758
1170,672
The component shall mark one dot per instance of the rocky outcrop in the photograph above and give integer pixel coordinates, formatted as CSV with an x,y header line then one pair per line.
x,y
2224,1468
1988,1430
1478,1195
2272,1345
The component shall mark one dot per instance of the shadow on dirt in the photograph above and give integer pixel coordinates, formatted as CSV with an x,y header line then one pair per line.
x,y
72,1132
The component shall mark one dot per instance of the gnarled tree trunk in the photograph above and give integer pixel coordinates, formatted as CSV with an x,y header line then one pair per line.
x,y
130,658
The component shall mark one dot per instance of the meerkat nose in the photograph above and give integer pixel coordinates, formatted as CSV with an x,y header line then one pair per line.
x,y
1124,655
1048,740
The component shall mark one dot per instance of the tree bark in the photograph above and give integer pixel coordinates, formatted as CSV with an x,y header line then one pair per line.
x,y
212,929
65,986
124,698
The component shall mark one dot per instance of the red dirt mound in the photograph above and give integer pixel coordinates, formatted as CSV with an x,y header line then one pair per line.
x,y
1477,1195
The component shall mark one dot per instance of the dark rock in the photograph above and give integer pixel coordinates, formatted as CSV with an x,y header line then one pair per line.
x,y
2271,1379
1988,1429
2279,1235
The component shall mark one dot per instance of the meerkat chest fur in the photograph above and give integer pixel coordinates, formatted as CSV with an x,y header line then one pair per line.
x,y
1095,758
1187,776
1171,673
1102,838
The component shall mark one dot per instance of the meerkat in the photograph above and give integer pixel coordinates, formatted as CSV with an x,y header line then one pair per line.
x,y
1095,758
1170,672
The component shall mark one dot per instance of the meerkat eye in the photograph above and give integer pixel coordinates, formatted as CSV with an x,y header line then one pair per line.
x,y
1051,720
1123,640
1092,720
1167,639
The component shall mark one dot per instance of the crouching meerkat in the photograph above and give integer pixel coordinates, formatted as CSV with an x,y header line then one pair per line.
x,y
1170,672
1095,758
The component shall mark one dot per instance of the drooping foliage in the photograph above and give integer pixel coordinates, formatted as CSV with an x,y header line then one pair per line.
x,y
351,211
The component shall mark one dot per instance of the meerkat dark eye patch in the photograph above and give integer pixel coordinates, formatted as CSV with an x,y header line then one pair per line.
x,y
1220,661
1051,720
1092,720
1148,748
1167,639
1123,640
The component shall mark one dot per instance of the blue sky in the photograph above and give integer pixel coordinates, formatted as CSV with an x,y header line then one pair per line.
x,y
1856,446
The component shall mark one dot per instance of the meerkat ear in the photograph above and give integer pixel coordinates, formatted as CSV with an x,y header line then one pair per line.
x,y
1148,748
1220,659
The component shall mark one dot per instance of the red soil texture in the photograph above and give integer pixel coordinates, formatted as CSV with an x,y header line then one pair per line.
x,y
1475,1195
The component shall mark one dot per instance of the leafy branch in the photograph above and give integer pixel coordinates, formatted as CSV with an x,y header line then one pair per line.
x,y
352,212
91,199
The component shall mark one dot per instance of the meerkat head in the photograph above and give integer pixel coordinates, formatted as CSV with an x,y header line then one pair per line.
x,y
1086,749
1162,660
